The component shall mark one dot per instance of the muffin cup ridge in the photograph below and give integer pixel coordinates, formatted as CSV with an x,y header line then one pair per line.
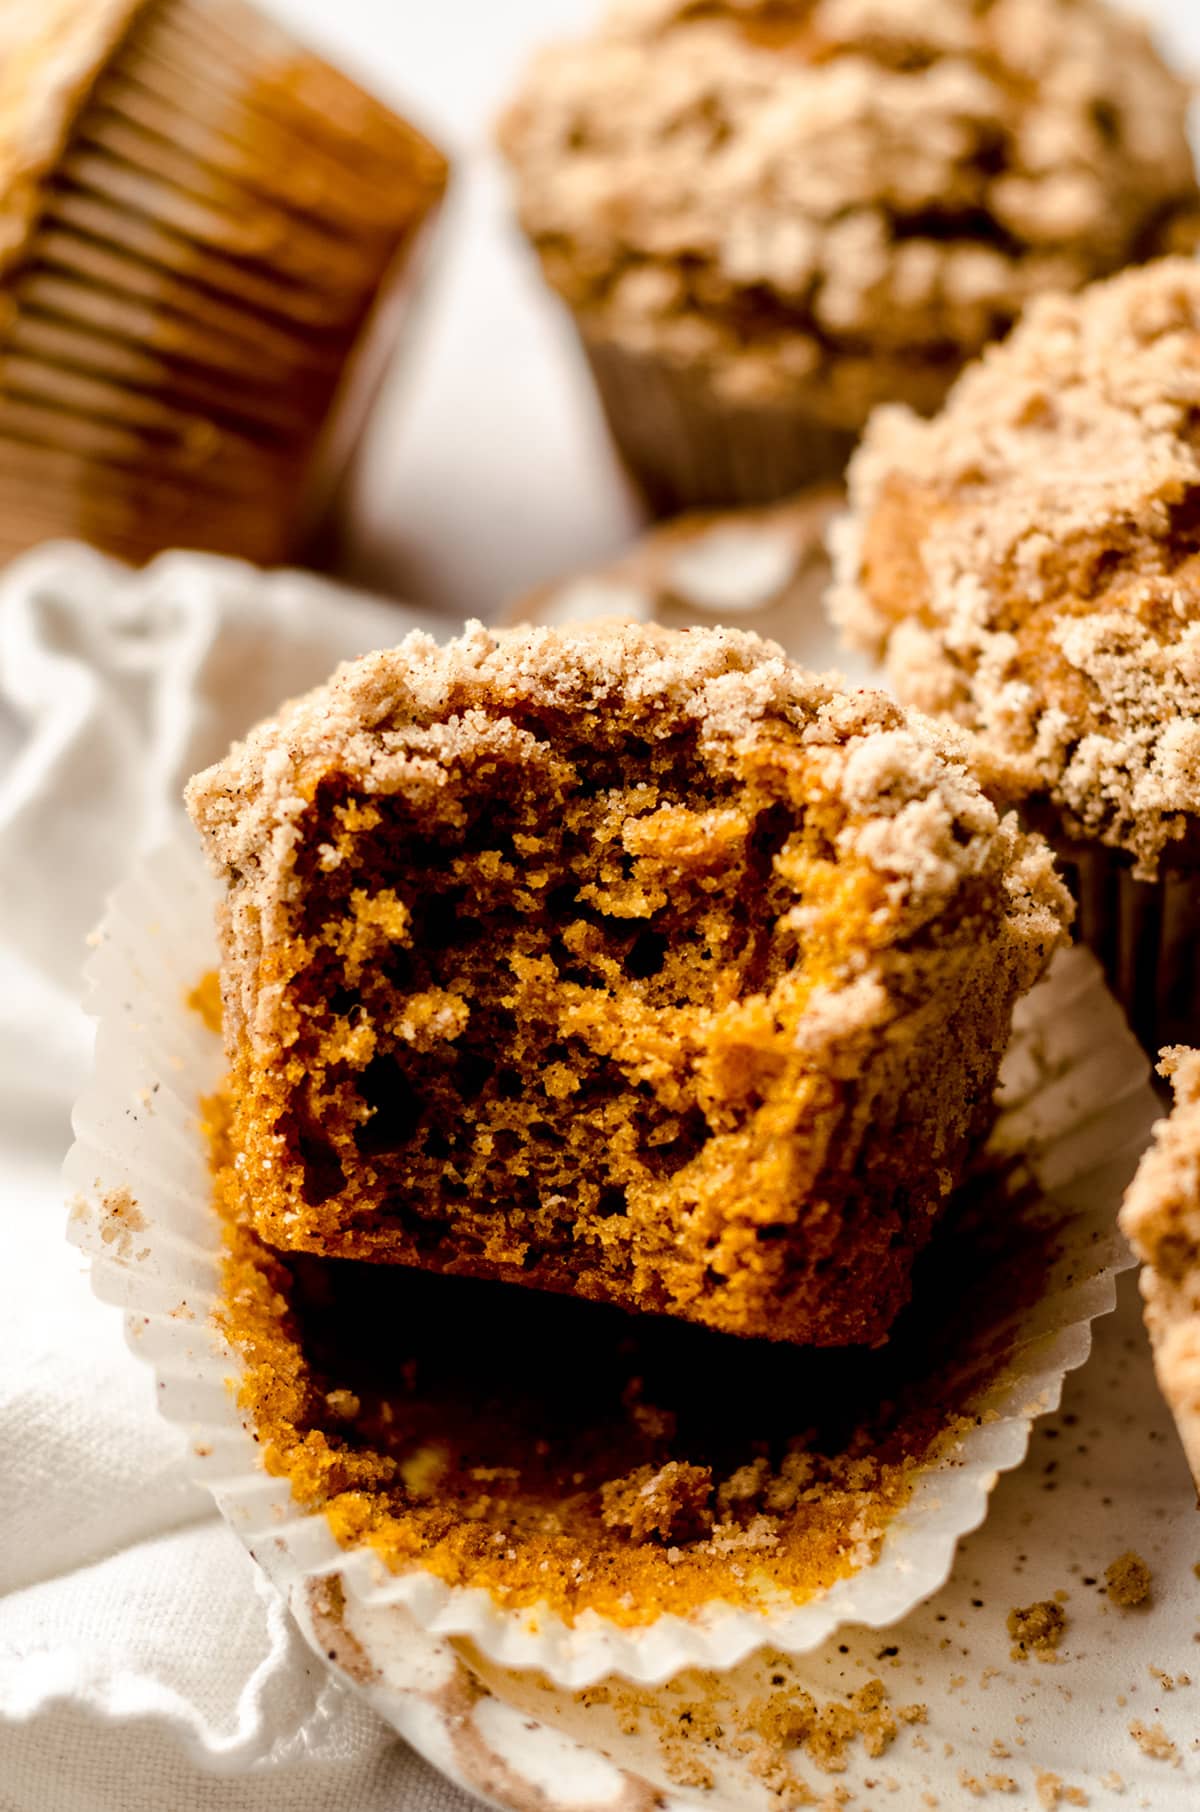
x,y
685,447
204,272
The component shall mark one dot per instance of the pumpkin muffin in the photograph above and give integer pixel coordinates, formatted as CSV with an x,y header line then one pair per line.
x,y
630,963
202,231
1161,1219
768,216
1027,564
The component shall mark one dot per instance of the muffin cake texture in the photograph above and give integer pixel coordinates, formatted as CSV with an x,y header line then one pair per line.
x,y
202,232
1027,564
769,216
1161,1219
630,963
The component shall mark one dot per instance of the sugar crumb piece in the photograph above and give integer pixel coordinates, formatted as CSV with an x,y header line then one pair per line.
x,y
1154,1742
1053,1791
1036,1629
1128,1579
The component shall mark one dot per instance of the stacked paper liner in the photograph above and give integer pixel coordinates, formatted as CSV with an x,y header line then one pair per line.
x,y
202,222
1077,1108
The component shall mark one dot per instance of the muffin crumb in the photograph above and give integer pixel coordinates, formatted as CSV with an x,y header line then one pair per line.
x,y
673,1502
1128,1579
1037,1629
1053,1791
1154,1742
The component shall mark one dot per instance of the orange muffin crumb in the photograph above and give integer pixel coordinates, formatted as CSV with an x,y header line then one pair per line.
x,y
633,964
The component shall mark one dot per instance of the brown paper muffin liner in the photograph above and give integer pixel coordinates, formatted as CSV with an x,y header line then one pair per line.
x,y
226,231
687,448
1146,934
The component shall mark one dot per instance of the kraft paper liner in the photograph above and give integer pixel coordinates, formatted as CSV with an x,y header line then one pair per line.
x,y
207,258
113,295
1077,1108
66,349
687,449
294,86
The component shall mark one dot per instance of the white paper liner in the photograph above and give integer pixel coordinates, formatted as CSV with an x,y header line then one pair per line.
x,y
1076,1103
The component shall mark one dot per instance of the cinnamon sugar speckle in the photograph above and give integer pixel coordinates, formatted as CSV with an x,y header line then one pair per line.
x,y
1037,1629
1154,1742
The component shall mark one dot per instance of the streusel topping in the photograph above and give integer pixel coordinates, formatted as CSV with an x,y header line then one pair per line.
x,y
1028,561
761,183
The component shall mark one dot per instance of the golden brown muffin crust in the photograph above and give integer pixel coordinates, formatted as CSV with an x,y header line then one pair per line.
x,y
1027,562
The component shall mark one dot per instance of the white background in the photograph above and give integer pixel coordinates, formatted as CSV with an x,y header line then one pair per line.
x,y
489,466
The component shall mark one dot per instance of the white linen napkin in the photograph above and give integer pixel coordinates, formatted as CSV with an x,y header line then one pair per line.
x,y
139,1649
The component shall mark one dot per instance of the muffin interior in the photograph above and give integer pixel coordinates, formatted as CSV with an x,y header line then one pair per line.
x,y
540,1021
632,963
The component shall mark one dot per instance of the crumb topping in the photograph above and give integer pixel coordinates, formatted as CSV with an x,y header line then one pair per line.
x,y
1027,561
1161,1219
586,960
842,198
1128,1579
1037,1629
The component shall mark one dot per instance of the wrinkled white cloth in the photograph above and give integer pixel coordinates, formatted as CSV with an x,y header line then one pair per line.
x,y
144,1664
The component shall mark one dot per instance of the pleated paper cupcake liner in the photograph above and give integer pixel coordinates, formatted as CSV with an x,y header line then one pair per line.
x,y
228,232
1076,1107
687,448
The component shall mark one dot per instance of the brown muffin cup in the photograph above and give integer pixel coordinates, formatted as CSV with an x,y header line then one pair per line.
x,y
687,448
1146,934
223,232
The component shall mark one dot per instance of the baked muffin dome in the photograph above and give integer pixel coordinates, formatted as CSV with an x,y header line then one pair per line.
x,y
841,202
1029,563
632,963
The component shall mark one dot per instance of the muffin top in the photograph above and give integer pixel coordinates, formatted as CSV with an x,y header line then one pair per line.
x,y
751,183
911,808
1029,562
1161,1219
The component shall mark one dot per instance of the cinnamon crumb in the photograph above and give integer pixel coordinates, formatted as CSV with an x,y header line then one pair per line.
x,y
1128,1579
1154,1742
1037,1629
